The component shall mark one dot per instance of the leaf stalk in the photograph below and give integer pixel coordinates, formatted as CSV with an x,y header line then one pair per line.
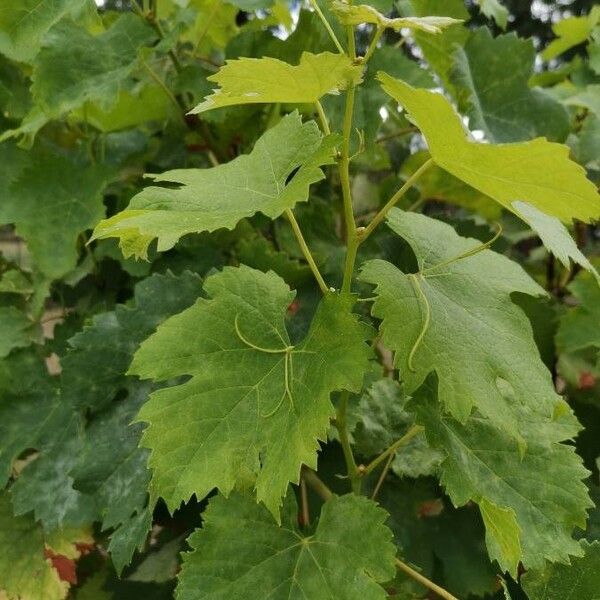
x,y
316,484
306,251
411,433
441,592
380,216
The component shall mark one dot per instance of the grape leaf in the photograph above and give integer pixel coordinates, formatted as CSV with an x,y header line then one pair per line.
x,y
439,185
459,320
25,573
537,172
15,282
492,9
588,98
571,32
111,469
30,411
131,108
531,500
93,370
439,48
251,393
208,199
45,485
53,198
260,80
92,474
586,146
554,236
347,556
580,579
356,14
510,112
578,328
23,23
16,330
74,67
446,543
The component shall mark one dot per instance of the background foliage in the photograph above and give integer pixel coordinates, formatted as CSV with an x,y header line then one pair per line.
x,y
101,453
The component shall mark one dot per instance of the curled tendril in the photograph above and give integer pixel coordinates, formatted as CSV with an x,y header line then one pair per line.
x,y
254,346
288,375
426,310
471,252
287,364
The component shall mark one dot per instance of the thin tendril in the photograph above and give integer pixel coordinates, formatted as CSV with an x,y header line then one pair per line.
x,y
468,253
287,369
422,299
254,346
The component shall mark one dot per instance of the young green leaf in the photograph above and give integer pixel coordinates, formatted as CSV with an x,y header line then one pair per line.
x,y
571,32
580,579
492,9
260,80
356,14
456,317
537,172
521,507
349,554
209,199
255,402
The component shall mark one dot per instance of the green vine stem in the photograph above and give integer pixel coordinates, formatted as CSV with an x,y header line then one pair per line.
x,y
306,251
441,592
373,45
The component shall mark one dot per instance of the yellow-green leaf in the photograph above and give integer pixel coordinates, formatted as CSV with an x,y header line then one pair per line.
x,y
25,573
537,172
503,534
571,32
357,14
210,199
260,80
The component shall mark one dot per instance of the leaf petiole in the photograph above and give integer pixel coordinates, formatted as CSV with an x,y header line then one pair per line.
x,y
306,251
373,45
441,592
414,430
322,118
380,216
327,26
